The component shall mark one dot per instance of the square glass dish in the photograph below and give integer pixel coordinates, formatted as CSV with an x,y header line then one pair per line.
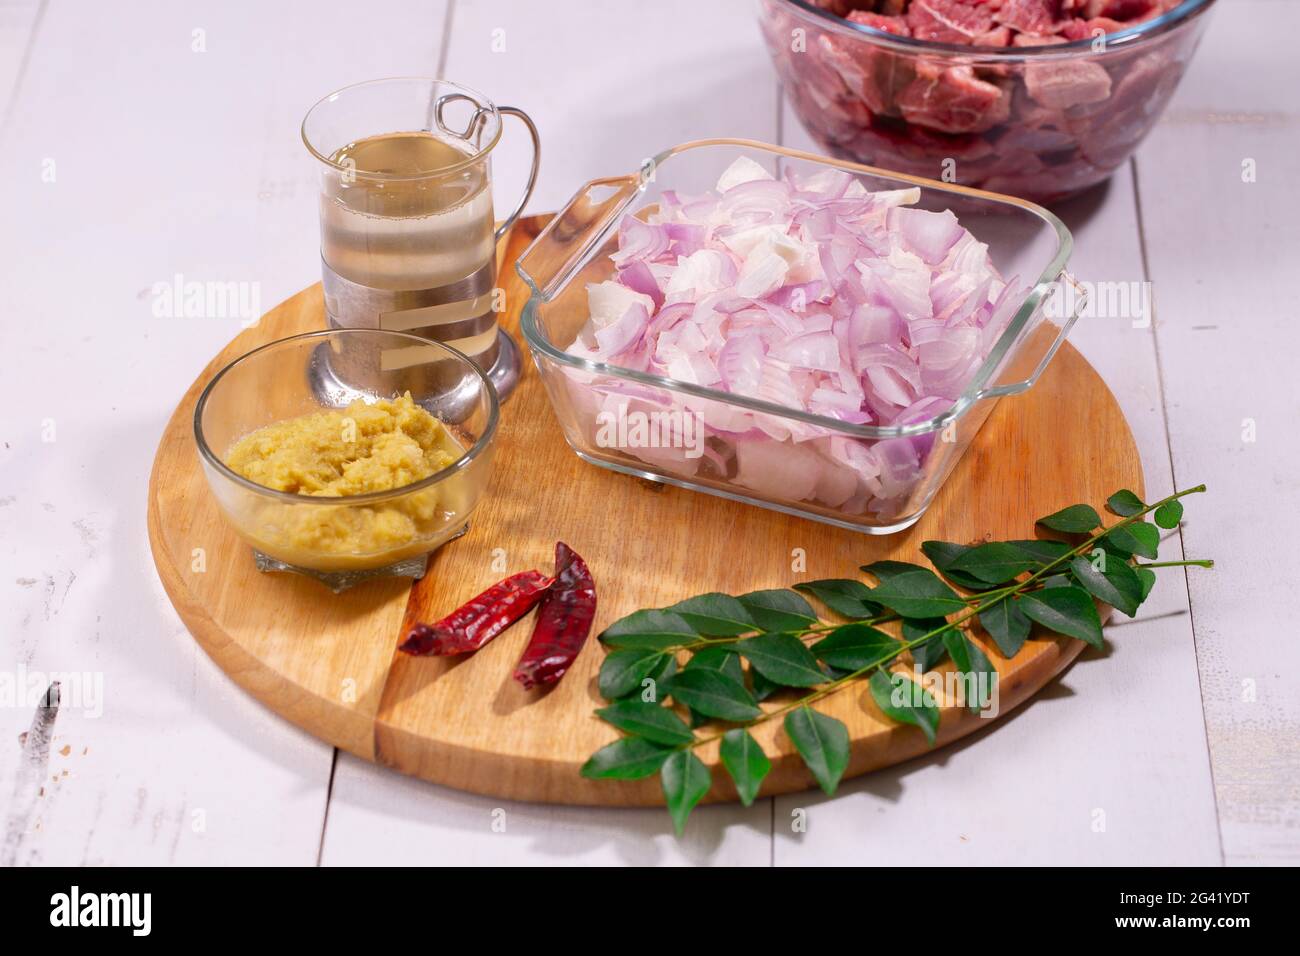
x,y
877,474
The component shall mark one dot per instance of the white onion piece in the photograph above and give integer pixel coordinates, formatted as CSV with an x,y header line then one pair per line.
x,y
968,255
777,470
819,350
899,197
740,363
686,238
639,240
755,202
743,170
701,273
638,277
836,484
762,274
617,338
609,302
929,234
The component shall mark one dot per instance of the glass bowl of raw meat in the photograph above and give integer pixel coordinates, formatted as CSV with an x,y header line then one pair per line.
x,y
1037,98
778,328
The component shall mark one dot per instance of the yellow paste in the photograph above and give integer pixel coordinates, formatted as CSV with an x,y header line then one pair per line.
x,y
349,451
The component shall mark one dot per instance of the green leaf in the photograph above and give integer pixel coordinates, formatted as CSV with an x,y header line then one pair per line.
x,y
995,562
1042,550
1169,514
1124,503
854,646
745,761
1007,625
916,592
782,659
629,758
649,630
1104,543
843,596
942,554
1118,586
1136,538
887,570
763,688
823,742
971,660
1148,536
1061,580
718,615
660,675
651,721
778,610
719,657
622,671
685,780
1076,519
713,693
929,655
1067,611
1147,577
904,700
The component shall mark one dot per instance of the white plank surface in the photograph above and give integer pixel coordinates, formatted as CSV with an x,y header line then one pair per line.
x,y
166,160
611,83
379,817
1222,254
19,28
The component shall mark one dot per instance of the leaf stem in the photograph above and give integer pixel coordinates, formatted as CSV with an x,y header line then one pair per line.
x,y
812,630
1122,523
986,600
827,689
1190,563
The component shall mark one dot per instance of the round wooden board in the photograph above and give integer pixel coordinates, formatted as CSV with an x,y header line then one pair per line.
x,y
329,663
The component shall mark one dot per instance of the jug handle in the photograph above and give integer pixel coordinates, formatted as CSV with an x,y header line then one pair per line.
x,y
532,172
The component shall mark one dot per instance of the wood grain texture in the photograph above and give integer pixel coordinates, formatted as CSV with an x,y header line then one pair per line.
x,y
329,663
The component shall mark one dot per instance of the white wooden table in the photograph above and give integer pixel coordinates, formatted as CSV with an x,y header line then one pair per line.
x,y
156,138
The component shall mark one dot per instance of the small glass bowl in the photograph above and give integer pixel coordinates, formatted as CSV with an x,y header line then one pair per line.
x,y
343,540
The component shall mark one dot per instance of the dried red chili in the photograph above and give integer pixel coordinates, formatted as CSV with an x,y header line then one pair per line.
x,y
479,619
563,621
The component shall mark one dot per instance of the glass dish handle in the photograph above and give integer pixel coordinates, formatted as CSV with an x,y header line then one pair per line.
x,y
1020,385
568,240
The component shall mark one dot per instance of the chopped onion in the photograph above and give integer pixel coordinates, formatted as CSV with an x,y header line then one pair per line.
x,y
638,277
929,234
810,293
818,350
639,240
615,339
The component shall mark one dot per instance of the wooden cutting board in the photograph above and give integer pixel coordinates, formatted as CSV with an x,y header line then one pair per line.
x,y
329,663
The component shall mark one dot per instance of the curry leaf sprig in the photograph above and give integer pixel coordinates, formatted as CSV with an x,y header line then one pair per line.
x,y
694,653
